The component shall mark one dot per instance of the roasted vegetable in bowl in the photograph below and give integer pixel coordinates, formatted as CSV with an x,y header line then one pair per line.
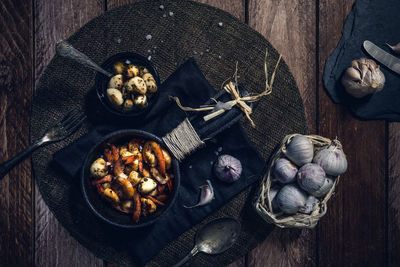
x,y
135,177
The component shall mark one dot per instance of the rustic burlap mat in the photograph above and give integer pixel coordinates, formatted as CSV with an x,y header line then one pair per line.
x,y
191,30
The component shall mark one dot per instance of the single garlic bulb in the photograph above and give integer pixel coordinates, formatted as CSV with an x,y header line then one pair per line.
x,y
363,78
227,168
291,199
311,178
284,171
331,158
299,150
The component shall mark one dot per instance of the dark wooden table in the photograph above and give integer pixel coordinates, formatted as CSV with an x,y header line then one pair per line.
x,y
362,226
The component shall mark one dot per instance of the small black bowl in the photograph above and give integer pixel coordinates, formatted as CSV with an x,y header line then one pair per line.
x,y
102,84
101,208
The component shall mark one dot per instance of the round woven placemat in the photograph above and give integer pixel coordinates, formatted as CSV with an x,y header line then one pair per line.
x,y
192,31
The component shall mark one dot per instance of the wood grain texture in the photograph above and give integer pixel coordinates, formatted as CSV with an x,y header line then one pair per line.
x,y
352,233
56,20
236,8
16,197
284,23
394,195
290,27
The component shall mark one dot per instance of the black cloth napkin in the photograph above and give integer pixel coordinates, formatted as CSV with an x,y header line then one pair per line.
x,y
376,21
189,84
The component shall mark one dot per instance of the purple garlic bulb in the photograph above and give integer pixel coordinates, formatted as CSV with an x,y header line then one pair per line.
x,y
332,159
227,168
284,171
311,178
291,199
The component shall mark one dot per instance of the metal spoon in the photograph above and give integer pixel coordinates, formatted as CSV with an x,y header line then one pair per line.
x,y
215,237
65,49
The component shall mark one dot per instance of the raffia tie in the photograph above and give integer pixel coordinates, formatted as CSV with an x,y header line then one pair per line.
x,y
232,89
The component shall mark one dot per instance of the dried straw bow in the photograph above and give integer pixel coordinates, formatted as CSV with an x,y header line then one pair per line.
x,y
232,89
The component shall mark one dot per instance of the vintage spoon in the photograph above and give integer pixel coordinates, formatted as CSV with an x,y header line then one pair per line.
x,y
215,237
65,49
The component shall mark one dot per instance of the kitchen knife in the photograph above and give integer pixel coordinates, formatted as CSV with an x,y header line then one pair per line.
x,y
382,56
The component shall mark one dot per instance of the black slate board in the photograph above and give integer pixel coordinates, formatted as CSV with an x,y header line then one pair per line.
x,y
378,22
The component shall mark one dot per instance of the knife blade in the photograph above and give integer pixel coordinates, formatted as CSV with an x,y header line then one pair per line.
x,y
382,56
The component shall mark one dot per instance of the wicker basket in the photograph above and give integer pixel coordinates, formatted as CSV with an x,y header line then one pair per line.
x,y
262,203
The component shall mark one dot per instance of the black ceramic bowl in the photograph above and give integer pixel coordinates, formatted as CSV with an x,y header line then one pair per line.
x,y
102,84
100,207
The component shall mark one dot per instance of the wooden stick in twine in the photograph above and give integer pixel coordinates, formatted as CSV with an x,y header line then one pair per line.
x,y
232,89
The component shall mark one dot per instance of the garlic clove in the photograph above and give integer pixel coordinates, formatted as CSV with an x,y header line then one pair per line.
x,y
291,199
206,195
284,171
299,150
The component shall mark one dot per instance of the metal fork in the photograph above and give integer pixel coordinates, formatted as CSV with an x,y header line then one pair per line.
x,y
61,129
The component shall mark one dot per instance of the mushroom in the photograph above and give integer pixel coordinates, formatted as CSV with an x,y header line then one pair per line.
x,y
147,185
143,71
115,96
141,101
136,84
119,67
132,71
99,168
150,82
128,105
116,81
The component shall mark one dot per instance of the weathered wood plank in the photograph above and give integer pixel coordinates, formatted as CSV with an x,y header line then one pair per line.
x,y
393,195
16,196
284,23
290,27
352,232
56,20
